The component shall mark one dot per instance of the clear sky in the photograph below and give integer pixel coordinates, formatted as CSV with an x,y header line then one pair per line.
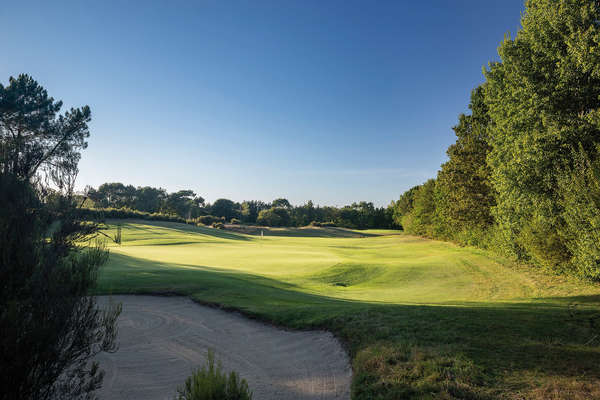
x,y
334,101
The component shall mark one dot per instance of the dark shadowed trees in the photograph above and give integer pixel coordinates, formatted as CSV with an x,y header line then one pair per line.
x,y
224,208
51,327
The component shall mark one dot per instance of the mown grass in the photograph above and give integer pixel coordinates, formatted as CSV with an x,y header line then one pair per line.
x,y
420,318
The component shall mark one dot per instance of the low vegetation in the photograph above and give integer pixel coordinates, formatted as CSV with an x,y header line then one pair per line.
x,y
420,318
211,383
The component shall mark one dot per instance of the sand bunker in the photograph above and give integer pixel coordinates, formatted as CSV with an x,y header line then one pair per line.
x,y
163,338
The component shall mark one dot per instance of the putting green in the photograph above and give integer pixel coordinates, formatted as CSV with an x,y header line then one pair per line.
x,y
421,318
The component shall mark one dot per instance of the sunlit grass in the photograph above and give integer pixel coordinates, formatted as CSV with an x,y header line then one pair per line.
x,y
421,318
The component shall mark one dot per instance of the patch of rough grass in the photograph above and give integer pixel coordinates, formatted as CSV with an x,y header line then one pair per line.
x,y
562,389
407,371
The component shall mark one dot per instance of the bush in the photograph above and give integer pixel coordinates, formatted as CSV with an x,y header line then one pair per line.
x,y
218,225
209,219
100,214
211,383
235,221
274,216
322,224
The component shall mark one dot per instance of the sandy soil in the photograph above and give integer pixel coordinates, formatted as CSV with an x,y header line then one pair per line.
x,y
163,338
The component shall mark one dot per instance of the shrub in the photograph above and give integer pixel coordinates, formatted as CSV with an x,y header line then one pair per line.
x,y
218,225
211,383
323,224
101,214
209,219
274,216
235,221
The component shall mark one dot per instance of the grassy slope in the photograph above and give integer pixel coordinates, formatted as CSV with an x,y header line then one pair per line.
x,y
421,319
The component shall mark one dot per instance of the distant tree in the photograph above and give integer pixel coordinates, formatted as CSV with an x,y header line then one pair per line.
x,y
183,203
304,215
268,218
224,208
420,220
250,209
283,203
404,205
150,199
51,327
274,216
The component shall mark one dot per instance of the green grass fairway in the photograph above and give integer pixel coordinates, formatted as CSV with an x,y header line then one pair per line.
x,y
420,318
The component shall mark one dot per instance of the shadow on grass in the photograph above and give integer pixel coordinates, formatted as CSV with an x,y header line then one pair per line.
x,y
306,231
456,350
138,224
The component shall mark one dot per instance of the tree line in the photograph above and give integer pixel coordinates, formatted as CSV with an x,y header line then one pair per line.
x,y
523,177
186,205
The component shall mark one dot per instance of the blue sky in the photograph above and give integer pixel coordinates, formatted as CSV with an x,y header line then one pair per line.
x,y
333,101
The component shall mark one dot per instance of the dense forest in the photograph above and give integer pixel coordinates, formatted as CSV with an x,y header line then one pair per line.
x,y
523,177
117,199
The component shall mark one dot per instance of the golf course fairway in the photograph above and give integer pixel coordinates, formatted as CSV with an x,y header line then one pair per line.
x,y
419,318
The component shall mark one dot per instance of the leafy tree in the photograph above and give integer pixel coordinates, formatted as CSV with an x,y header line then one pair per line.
x,y
420,220
150,199
274,216
543,101
51,327
224,208
304,215
115,195
183,203
404,205
464,194
283,203
250,210
580,200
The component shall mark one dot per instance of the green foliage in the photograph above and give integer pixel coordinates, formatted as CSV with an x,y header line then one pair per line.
x,y
274,216
420,220
235,221
183,203
102,214
211,383
464,197
218,225
513,181
283,203
404,205
580,200
51,327
250,209
329,224
37,142
224,208
209,219
543,100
